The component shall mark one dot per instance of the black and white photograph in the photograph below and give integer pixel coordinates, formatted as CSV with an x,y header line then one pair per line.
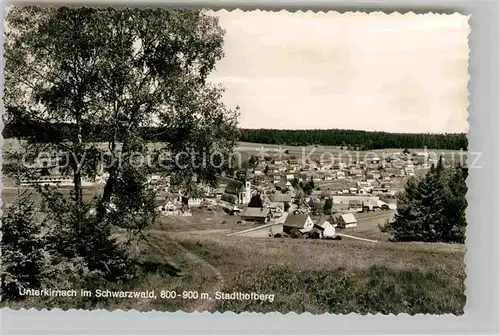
x,y
196,160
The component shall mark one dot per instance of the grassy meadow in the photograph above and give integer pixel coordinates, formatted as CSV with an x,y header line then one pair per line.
x,y
331,276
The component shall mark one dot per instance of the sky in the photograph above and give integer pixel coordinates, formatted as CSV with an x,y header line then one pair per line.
x,y
374,72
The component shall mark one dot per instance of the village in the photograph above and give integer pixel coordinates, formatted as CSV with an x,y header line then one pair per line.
x,y
285,196
282,195
289,197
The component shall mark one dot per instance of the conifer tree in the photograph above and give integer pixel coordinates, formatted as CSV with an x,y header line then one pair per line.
x,y
22,258
432,209
255,202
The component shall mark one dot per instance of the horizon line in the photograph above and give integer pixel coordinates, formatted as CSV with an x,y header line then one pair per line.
x,y
348,129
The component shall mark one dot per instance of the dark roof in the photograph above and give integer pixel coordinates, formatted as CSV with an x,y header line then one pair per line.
x,y
255,212
297,221
318,228
281,184
321,220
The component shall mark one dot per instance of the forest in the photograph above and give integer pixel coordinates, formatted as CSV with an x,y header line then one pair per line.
x,y
356,139
350,139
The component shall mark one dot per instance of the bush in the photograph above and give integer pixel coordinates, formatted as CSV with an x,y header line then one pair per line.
x,y
295,233
314,235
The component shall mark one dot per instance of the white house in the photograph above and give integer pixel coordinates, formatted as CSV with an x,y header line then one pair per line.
x,y
169,207
348,220
302,222
327,229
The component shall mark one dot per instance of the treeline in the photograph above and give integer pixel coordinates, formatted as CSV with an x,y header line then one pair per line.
x,y
432,208
350,139
355,139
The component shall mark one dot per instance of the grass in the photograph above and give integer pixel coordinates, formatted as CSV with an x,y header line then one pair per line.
x,y
201,221
337,276
247,149
341,277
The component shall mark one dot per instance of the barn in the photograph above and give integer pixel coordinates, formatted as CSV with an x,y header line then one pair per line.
x,y
259,215
348,220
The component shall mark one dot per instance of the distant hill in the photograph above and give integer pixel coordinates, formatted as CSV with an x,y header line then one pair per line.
x,y
355,138
333,137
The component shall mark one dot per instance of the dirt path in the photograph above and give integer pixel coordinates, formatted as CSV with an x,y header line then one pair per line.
x,y
202,304
205,305
357,238
251,229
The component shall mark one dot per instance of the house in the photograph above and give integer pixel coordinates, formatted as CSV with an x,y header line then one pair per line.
x,y
371,205
283,185
346,199
279,199
259,215
258,172
169,207
348,220
301,222
195,202
326,228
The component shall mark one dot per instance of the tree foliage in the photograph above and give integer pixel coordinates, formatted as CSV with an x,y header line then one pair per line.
x,y
22,259
327,208
111,72
256,202
354,139
114,76
432,209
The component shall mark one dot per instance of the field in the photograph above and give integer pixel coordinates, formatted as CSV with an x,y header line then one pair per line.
x,y
336,276
328,152
247,149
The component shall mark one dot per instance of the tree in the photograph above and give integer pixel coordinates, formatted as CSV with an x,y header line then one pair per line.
x,y
255,202
266,170
439,166
107,75
327,208
96,77
22,258
432,208
299,197
454,218
306,187
316,207
253,160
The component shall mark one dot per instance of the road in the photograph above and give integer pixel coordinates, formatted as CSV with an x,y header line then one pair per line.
x,y
274,222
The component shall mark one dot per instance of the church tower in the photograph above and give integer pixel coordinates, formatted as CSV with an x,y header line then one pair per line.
x,y
248,192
